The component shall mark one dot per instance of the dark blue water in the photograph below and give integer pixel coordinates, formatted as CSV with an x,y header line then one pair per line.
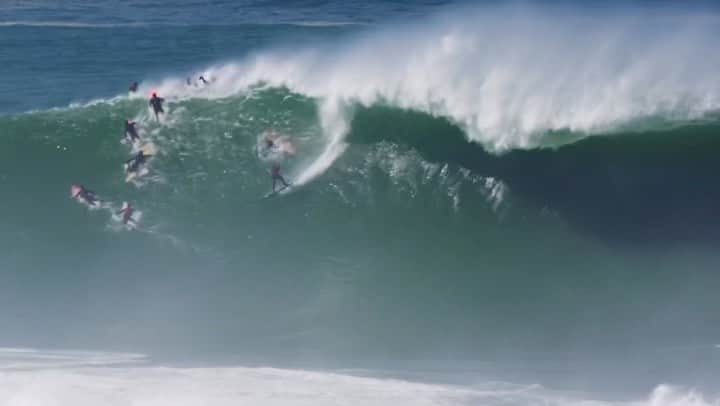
x,y
85,50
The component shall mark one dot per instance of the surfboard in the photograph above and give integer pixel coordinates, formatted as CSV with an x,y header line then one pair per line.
x,y
74,190
149,148
283,190
96,204
136,174
130,176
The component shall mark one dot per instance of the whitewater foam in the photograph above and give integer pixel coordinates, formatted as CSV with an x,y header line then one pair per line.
x,y
505,75
82,378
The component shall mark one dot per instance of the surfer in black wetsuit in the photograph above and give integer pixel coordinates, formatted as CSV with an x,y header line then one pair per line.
x,y
79,192
131,132
134,163
156,103
276,176
133,87
127,211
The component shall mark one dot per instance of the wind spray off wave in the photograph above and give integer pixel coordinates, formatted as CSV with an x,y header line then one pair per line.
x,y
507,76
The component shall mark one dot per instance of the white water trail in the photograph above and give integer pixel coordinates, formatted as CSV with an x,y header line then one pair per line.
x,y
335,125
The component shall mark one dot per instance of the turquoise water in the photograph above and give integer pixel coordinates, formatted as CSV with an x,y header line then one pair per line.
x,y
533,207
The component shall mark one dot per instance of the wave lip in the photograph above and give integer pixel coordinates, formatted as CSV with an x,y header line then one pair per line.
x,y
509,77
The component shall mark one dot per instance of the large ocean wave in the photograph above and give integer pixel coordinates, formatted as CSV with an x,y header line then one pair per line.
x,y
499,183
505,75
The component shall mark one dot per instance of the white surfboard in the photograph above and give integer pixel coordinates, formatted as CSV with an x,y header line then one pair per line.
x,y
136,174
283,190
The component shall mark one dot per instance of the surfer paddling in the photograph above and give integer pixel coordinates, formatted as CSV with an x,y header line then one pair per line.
x,y
87,196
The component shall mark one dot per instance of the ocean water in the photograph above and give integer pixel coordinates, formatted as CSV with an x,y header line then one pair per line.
x,y
493,203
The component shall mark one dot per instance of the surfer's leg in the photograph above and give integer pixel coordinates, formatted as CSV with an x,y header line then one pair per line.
x,y
274,181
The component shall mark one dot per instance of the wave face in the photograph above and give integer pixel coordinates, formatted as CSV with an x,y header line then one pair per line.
x,y
503,193
458,249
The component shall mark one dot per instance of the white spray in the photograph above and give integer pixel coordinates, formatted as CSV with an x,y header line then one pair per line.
x,y
505,75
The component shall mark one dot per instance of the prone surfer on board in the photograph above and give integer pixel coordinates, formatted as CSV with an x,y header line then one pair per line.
x,y
134,163
127,211
276,176
156,103
88,196
130,131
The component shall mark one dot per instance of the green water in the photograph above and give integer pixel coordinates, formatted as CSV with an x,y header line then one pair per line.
x,y
396,256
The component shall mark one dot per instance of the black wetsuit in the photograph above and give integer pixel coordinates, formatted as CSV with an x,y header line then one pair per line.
x,y
87,195
131,131
156,103
275,172
133,164
127,214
